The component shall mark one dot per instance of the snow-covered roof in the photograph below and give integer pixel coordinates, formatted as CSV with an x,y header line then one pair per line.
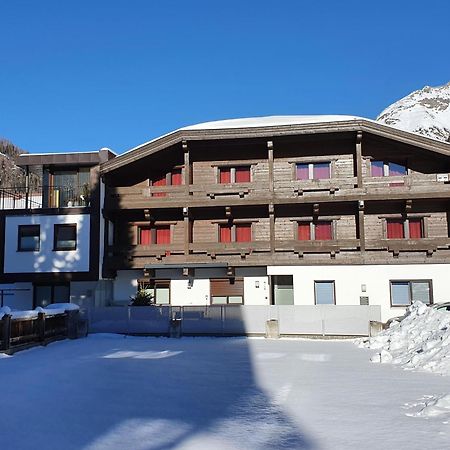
x,y
270,121
281,124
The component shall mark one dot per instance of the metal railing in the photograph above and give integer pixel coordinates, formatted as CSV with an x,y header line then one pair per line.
x,y
44,197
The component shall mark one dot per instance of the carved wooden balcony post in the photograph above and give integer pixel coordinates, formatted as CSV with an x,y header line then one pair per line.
x,y
187,166
187,230
361,226
270,159
358,155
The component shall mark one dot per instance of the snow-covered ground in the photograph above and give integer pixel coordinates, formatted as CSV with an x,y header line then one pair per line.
x,y
421,341
111,392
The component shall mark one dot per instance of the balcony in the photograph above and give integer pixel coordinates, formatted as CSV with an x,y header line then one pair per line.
x,y
44,197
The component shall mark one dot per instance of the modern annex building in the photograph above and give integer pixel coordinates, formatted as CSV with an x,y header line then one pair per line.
x,y
300,210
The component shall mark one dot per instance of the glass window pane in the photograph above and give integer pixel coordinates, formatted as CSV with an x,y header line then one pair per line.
x,y
43,295
283,289
400,293
321,171
29,237
218,300
421,291
162,295
377,168
65,237
235,300
302,171
61,294
324,292
396,169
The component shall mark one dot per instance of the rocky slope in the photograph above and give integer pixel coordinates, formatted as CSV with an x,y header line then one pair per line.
x,y
426,111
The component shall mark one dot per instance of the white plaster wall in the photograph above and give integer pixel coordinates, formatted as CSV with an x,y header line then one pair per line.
x,y
20,300
256,291
197,294
47,260
349,279
125,285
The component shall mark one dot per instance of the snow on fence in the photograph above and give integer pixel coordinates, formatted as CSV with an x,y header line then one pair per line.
x,y
325,320
24,329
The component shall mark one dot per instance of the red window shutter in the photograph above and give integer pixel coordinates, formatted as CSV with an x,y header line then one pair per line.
x,y
176,177
395,229
243,232
224,233
159,182
415,229
304,231
242,174
302,171
163,235
145,236
225,175
323,231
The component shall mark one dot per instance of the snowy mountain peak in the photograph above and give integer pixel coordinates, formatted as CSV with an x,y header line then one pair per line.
x,y
426,111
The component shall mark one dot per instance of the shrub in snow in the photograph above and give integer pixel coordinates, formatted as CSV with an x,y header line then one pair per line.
x,y
143,298
420,341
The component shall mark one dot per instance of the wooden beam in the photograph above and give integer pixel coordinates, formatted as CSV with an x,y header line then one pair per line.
x,y
361,226
272,227
187,231
270,158
187,166
358,156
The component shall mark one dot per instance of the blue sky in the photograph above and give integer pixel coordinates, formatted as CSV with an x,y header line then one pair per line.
x,y
80,75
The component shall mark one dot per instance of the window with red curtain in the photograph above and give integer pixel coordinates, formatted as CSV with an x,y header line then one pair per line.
x,y
243,174
145,236
377,168
224,233
304,231
243,232
176,177
302,171
225,175
321,171
415,228
162,234
395,229
323,231
161,181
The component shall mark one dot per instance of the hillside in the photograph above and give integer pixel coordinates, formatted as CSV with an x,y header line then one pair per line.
x,y
425,111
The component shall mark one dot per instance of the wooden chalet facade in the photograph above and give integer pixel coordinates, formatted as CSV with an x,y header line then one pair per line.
x,y
239,204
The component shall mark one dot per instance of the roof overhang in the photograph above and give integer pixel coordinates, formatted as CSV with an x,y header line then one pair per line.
x,y
363,125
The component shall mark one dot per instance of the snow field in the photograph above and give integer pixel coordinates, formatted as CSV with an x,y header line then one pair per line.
x,y
113,392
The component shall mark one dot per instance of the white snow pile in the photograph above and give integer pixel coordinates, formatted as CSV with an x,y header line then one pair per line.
x,y
63,306
420,341
430,406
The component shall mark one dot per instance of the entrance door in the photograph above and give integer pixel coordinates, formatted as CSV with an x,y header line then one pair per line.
x,y
45,294
282,289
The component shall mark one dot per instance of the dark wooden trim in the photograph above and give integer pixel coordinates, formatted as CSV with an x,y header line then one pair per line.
x,y
358,157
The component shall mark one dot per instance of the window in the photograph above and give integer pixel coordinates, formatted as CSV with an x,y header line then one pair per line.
x,y
29,238
45,294
324,292
159,289
404,292
239,232
158,234
313,171
172,178
315,231
386,169
227,291
65,237
239,174
405,228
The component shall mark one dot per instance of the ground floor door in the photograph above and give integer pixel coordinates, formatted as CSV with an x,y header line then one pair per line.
x,y
45,294
282,289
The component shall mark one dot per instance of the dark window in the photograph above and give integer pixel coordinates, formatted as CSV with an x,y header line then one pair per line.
x,y
65,237
404,292
29,238
324,292
45,294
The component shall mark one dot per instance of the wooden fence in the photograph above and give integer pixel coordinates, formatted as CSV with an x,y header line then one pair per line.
x,y
19,333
